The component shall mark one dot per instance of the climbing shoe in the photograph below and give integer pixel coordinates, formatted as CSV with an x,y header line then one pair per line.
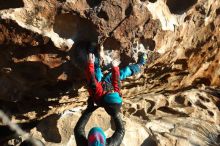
x,y
142,59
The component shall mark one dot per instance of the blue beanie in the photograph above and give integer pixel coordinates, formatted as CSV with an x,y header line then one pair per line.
x,y
113,98
96,137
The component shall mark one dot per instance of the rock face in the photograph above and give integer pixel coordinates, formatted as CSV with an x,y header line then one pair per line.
x,y
174,115
61,132
175,100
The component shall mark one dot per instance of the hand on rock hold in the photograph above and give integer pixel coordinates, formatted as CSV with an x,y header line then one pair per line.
x,y
116,62
91,58
102,47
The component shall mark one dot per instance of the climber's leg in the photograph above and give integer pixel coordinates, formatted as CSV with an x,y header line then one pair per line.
x,y
125,72
112,103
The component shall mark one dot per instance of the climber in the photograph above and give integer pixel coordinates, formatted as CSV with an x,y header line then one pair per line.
x,y
96,136
105,91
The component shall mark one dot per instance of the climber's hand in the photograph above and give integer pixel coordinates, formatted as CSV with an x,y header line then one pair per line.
x,y
91,58
116,62
102,47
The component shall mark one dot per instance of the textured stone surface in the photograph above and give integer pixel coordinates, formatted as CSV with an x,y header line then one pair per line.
x,y
61,132
42,56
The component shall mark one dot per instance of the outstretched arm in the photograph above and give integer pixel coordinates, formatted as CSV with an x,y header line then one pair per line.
x,y
116,76
90,76
119,133
90,72
95,88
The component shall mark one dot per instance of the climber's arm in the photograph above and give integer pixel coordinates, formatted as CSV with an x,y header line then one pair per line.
x,y
116,75
95,88
90,72
119,133
116,79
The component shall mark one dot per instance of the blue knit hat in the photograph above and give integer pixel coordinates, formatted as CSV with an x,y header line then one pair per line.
x,y
96,137
113,98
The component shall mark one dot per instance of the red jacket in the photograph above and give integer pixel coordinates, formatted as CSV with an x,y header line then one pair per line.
x,y
95,88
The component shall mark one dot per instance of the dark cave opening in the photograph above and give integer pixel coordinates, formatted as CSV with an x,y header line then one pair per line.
x,y
111,44
74,27
218,138
129,10
6,4
152,1
148,43
62,1
103,14
180,6
218,11
204,80
93,3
